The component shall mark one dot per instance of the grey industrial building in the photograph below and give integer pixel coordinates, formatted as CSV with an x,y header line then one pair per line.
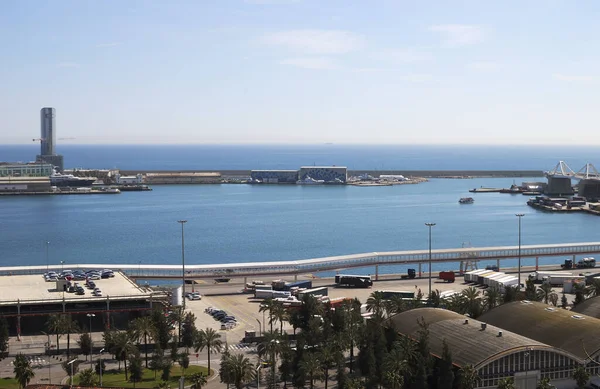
x,y
329,174
274,176
523,340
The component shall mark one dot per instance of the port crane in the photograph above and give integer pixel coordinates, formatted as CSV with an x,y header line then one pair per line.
x,y
43,139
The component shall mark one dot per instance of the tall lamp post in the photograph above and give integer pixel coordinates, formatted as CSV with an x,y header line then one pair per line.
x,y
182,222
519,215
90,315
100,365
71,380
47,257
430,225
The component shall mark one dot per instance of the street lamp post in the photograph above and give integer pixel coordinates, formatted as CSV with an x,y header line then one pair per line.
x,y
520,215
90,315
62,266
47,258
259,327
430,225
182,222
71,380
100,365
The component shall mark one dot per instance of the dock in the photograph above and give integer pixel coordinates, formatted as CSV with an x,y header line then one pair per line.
x,y
59,192
486,190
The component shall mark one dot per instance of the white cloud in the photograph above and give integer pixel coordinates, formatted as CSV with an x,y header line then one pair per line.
x,y
109,44
456,35
316,41
67,65
403,55
484,66
572,78
310,63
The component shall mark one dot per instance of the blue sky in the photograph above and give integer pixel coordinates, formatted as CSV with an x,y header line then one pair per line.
x,y
304,71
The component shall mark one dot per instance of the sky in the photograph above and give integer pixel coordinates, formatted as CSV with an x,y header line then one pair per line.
x,y
302,71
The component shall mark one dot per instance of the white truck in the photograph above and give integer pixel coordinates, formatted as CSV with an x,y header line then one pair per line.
x,y
557,280
502,283
538,276
488,280
471,276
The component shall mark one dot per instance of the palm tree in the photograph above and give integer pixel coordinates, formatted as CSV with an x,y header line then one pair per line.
x,y
472,301
544,291
395,366
143,328
311,365
278,313
492,296
271,346
267,306
327,356
208,339
69,326
456,303
123,347
176,316
468,377
236,369
593,289
198,380
395,305
55,326
435,298
23,370
376,303
506,383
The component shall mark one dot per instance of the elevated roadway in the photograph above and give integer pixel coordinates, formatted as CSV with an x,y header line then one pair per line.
x,y
316,265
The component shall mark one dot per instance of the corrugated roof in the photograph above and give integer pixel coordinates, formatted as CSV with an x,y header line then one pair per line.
x,y
590,307
467,341
573,332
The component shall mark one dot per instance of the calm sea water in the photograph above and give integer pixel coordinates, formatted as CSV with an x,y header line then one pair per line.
x,y
241,223
291,157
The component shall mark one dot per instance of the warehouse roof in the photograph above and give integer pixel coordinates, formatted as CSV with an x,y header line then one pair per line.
x,y
590,307
572,332
468,342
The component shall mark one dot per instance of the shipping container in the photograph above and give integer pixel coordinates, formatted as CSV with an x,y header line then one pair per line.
x,y
354,281
488,279
323,291
538,276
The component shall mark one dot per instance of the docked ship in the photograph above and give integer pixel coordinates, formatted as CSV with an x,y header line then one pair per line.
x,y
466,200
63,180
310,181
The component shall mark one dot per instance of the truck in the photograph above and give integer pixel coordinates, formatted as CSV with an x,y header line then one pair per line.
x,y
354,281
410,274
481,276
488,280
307,284
471,276
447,276
405,294
322,291
586,263
505,282
568,264
538,276
263,293
557,280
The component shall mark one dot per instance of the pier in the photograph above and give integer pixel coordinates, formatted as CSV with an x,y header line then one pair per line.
x,y
311,266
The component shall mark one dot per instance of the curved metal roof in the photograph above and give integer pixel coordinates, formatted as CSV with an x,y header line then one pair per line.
x,y
590,307
573,332
467,341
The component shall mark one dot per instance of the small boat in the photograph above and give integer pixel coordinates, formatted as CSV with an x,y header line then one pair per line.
x,y
310,181
466,200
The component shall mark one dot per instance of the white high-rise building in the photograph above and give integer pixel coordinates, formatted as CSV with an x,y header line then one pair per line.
x,y
48,131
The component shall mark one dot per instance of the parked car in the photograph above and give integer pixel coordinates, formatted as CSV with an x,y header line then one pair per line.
x,y
97,292
194,296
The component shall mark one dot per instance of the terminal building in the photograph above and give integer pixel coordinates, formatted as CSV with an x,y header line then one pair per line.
x,y
523,340
30,169
328,174
183,178
274,176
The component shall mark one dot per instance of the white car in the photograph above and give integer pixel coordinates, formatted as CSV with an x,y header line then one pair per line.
x,y
97,292
194,296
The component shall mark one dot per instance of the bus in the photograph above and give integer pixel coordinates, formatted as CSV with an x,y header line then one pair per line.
x,y
354,281
404,294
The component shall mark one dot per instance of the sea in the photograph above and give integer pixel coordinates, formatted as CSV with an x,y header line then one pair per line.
x,y
232,223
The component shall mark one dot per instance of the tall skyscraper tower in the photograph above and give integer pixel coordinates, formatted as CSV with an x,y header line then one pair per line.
x,y
48,139
48,131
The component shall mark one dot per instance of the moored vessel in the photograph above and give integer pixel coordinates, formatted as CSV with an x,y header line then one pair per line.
x,y
466,200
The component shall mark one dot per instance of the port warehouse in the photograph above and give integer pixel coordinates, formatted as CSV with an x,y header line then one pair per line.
x,y
325,173
25,184
523,340
26,301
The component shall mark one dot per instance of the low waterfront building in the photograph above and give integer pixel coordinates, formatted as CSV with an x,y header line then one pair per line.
x,y
329,174
522,340
129,180
183,178
25,184
30,169
274,176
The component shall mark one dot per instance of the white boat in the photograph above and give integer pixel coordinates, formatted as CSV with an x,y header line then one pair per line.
x,y
310,181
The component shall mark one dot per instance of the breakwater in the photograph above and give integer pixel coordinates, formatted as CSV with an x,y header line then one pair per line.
x,y
409,173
